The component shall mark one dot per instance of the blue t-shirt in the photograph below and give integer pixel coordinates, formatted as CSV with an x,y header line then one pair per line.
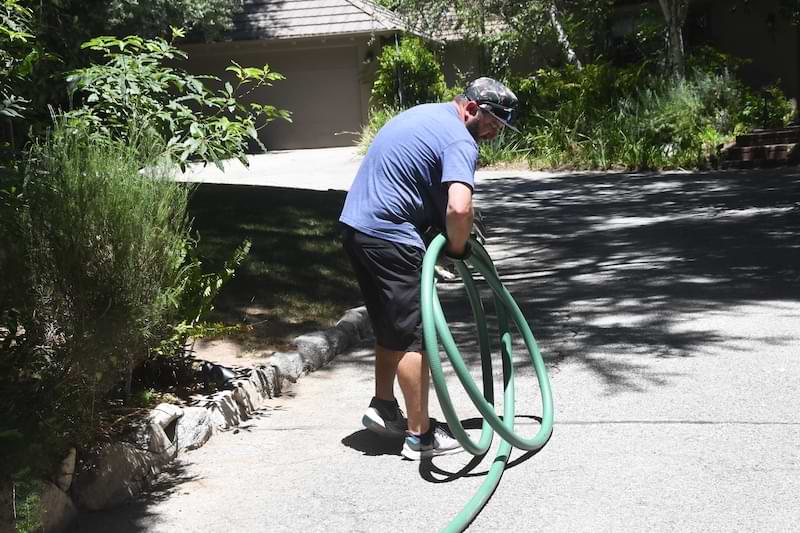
x,y
397,193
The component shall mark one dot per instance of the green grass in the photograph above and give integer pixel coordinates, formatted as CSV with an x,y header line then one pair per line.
x,y
296,278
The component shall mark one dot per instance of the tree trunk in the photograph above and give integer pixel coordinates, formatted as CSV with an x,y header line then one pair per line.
x,y
675,12
563,39
7,511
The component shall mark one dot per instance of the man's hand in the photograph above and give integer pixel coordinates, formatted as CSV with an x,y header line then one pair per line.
x,y
459,218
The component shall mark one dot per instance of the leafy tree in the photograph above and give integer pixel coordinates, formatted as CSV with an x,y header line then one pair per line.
x,y
135,86
61,26
407,75
205,19
675,12
575,26
15,55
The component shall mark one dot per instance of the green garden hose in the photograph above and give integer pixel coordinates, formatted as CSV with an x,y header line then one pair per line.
x,y
435,329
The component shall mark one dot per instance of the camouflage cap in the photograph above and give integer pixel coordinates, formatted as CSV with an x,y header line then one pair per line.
x,y
494,98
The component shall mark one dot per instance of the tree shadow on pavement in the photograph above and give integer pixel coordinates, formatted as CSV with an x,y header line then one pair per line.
x,y
136,516
611,268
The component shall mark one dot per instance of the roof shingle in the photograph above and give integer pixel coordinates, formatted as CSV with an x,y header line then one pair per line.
x,y
287,19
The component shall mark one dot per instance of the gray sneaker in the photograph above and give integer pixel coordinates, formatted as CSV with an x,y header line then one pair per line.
x,y
437,441
385,418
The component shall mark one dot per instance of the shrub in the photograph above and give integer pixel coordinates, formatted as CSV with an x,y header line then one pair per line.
x,y
505,148
103,241
377,118
604,116
408,74
135,86
16,53
765,108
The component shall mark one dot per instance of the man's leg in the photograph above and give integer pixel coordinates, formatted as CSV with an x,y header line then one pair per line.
x,y
411,369
386,362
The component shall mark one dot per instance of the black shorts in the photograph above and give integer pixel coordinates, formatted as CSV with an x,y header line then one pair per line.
x,y
388,274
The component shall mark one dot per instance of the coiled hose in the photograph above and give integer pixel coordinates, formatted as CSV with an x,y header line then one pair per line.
x,y
435,330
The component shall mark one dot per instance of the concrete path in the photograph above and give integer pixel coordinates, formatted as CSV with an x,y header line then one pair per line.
x,y
667,307
319,169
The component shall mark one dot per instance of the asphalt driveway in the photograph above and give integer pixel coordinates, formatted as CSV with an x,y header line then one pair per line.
x,y
667,308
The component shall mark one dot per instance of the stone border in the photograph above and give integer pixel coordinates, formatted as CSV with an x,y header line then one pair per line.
x,y
120,471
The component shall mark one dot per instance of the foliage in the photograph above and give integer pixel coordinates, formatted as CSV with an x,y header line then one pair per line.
x,y
407,75
377,118
192,300
135,86
603,116
644,43
767,108
590,92
16,54
606,117
206,19
503,149
103,242
59,27
505,29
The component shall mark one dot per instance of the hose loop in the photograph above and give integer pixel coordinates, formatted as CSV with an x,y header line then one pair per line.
x,y
436,331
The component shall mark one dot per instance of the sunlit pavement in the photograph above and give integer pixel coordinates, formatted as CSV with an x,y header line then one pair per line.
x,y
667,308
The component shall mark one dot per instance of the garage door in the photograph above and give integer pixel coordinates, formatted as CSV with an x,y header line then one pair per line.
x,y
321,90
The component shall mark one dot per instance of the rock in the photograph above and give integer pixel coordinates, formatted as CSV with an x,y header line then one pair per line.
x,y
246,395
289,365
223,410
150,436
267,379
259,382
164,414
159,443
350,329
113,476
339,340
314,348
242,403
56,508
193,429
67,470
218,375
360,319
273,378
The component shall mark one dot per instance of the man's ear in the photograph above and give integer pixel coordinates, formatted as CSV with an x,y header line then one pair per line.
x,y
472,107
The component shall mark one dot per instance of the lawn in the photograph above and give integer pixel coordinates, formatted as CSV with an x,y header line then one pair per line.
x,y
296,279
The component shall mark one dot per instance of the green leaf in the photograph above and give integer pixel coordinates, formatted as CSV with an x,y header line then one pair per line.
x,y
177,33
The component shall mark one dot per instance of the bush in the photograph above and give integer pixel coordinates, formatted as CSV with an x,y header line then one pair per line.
x,y
134,85
605,117
103,241
16,54
407,75
377,118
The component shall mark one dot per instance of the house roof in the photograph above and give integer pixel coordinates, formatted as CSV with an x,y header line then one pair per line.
x,y
291,19
450,29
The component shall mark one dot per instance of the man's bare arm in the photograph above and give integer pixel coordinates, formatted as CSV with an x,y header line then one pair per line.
x,y
459,217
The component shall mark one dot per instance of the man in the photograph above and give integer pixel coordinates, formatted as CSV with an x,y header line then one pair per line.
x,y
418,173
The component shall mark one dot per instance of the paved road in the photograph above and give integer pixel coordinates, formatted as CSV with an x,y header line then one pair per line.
x,y
667,307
